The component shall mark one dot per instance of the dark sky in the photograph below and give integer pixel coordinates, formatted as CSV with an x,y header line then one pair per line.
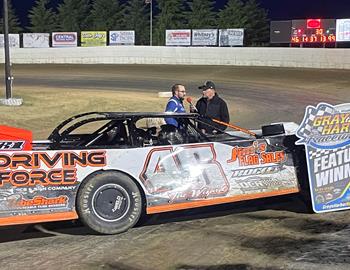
x,y
277,9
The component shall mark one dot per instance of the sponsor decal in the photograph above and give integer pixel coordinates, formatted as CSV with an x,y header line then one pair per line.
x,y
326,136
11,145
43,201
27,169
256,155
184,173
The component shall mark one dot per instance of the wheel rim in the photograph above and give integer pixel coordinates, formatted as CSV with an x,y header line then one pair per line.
x,y
111,202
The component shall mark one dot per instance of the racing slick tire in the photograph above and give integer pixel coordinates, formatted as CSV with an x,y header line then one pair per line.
x,y
109,202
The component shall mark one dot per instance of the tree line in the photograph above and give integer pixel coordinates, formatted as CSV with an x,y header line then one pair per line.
x,y
107,15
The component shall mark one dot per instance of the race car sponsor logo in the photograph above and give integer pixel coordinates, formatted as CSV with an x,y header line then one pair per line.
x,y
43,201
183,173
11,145
256,154
29,169
325,132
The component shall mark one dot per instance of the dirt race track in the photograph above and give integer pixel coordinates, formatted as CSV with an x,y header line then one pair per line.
x,y
274,233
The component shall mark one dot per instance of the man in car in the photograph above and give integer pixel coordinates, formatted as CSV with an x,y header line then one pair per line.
x,y
175,103
211,106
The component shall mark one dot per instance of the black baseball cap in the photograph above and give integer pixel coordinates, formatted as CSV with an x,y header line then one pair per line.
x,y
207,85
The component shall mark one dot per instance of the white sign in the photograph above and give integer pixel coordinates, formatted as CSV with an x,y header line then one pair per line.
x,y
178,37
122,38
65,39
343,30
36,40
13,40
231,37
205,37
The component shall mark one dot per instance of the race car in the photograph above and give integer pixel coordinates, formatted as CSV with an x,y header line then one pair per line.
x,y
109,168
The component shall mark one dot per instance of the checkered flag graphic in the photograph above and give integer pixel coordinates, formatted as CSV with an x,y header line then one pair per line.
x,y
306,130
317,153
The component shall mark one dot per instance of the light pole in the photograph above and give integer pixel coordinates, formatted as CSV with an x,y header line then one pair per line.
x,y
8,101
8,76
150,20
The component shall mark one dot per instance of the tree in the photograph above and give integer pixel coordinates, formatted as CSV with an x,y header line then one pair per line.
x,y
233,15
257,28
73,15
14,24
171,16
42,19
137,19
201,14
107,15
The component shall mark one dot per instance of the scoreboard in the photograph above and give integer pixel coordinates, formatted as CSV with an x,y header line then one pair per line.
x,y
313,31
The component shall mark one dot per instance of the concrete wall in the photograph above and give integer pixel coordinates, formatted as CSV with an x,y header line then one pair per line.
x,y
273,57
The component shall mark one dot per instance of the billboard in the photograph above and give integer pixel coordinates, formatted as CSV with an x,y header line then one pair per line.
x,y
280,31
178,37
93,38
36,40
13,40
231,37
122,38
65,39
205,37
343,30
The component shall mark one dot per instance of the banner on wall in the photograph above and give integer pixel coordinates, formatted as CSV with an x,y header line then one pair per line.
x,y
178,37
36,40
343,30
205,37
122,38
93,38
65,39
13,40
231,37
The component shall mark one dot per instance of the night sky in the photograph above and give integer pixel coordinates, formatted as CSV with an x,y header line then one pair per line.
x,y
277,9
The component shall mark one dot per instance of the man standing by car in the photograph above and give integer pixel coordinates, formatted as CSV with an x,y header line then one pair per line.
x,y
211,106
175,103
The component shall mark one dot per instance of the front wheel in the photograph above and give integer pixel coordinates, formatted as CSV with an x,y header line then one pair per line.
x,y
109,202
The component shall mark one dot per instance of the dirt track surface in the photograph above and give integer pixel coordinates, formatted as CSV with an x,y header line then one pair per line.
x,y
255,95
275,233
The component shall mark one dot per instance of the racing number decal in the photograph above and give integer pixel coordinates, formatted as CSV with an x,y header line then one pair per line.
x,y
183,173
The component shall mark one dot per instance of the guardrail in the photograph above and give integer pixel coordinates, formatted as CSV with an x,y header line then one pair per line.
x,y
270,57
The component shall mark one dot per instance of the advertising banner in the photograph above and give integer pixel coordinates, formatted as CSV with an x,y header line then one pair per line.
x,y
36,40
343,30
231,37
325,132
122,38
205,37
13,40
65,39
93,38
178,37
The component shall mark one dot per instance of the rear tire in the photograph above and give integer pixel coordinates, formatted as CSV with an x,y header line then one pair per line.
x,y
109,202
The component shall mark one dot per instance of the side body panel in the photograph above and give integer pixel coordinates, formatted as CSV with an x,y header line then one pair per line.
x,y
42,186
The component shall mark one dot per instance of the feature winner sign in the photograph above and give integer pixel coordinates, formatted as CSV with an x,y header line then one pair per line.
x,y
325,132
